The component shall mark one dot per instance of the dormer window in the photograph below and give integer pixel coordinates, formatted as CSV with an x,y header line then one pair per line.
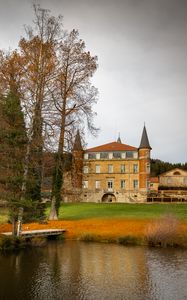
x,y
176,173
104,155
117,155
129,154
91,155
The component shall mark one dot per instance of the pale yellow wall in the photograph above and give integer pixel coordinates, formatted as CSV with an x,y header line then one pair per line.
x,y
171,179
117,176
154,186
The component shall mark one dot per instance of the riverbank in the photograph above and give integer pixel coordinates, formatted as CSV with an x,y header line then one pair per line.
x,y
147,224
131,231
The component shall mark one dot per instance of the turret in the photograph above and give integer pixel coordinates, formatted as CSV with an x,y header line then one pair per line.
x,y
144,162
119,139
77,163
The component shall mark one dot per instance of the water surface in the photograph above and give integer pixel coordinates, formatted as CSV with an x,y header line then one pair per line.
x,y
78,270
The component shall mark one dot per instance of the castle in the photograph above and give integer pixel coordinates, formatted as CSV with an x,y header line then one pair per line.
x,y
113,172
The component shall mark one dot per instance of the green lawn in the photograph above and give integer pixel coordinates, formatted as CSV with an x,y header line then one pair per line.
x,y
77,211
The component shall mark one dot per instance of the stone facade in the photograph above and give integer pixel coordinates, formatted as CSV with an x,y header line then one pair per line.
x,y
173,178
170,186
113,172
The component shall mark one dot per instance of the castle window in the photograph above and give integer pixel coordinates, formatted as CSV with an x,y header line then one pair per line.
x,y
85,169
110,168
110,184
86,156
97,184
122,168
97,169
148,154
129,154
122,184
85,184
135,168
91,155
117,155
135,184
148,168
104,155
123,155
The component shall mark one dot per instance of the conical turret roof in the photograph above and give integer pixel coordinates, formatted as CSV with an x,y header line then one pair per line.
x,y
77,144
119,139
144,144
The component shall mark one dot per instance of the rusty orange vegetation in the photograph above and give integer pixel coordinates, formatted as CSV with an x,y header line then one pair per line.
x,y
105,228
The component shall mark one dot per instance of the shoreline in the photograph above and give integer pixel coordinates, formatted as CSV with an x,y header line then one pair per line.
x,y
146,232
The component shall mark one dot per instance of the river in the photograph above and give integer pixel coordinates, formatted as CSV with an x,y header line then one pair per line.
x,y
79,270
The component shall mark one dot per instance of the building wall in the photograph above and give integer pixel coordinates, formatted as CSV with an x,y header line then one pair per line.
x,y
108,176
173,178
129,175
127,193
172,187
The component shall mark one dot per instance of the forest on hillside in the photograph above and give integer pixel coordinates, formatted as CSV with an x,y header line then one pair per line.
x,y
158,166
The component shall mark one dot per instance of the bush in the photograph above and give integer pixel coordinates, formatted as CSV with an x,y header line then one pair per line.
x,y
129,240
60,237
88,237
162,232
11,242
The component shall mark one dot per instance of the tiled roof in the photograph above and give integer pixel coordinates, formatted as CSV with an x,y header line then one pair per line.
x,y
114,146
154,179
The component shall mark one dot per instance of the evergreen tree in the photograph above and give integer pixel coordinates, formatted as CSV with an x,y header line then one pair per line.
x,y
13,141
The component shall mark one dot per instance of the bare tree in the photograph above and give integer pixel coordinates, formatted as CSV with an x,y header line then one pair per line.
x,y
39,62
73,97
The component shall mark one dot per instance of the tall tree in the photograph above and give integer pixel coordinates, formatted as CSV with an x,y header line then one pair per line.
x,y
13,141
38,55
73,97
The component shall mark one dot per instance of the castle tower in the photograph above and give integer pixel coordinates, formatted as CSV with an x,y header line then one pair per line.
x,y
144,162
77,163
119,139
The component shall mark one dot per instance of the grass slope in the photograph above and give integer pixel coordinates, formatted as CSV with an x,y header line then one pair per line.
x,y
78,211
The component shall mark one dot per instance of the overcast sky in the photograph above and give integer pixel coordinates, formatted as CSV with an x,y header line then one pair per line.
x,y
142,54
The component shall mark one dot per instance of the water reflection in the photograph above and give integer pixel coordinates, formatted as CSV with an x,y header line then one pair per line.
x,y
78,270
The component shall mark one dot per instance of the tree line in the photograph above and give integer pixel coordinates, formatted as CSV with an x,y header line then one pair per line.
x,y
158,166
46,94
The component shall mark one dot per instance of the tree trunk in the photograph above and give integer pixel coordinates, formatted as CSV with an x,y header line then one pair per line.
x,y
13,226
53,212
58,173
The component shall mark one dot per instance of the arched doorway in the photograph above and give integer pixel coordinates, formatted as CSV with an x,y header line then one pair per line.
x,y
108,198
